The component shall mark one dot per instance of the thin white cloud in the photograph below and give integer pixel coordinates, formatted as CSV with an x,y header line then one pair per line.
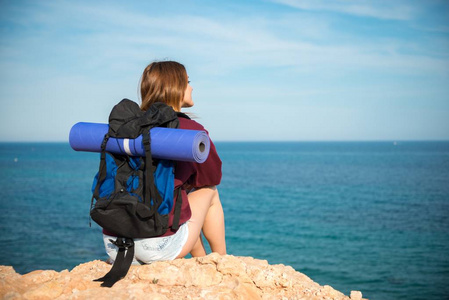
x,y
222,46
392,10
250,42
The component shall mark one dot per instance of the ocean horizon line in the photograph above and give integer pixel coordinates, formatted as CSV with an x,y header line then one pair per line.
x,y
263,141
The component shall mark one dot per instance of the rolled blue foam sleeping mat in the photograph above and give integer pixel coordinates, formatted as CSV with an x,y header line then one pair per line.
x,y
166,143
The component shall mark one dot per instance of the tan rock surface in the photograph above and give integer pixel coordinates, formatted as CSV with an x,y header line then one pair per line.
x,y
210,277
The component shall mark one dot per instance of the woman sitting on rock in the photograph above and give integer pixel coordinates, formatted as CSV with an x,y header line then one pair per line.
x,y
167,82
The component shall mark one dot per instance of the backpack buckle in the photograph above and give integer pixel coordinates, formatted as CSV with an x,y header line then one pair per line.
x,y
146,139
123,243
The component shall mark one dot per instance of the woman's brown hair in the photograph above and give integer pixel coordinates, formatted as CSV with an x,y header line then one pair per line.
x,y
163,81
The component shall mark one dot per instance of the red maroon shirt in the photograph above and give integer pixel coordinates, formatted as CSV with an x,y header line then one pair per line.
x,y
192,175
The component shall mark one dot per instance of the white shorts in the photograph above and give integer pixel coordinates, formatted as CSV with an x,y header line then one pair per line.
x,y
149,250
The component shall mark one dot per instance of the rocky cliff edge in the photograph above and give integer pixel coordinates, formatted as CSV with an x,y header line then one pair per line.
x,y
209,277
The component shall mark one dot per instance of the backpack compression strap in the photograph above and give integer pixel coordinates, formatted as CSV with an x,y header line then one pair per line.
x,y
101,171
122,262
177,215
151,192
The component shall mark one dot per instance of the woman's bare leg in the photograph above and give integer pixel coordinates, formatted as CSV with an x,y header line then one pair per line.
x,y
198,249
205,204
214,226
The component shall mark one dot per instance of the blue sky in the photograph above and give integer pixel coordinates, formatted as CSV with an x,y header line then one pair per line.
x,y
302,70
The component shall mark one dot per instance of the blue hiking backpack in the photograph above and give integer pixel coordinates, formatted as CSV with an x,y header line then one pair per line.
x,y
134,195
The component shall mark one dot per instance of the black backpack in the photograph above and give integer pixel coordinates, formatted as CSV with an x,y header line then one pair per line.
x,y
134,195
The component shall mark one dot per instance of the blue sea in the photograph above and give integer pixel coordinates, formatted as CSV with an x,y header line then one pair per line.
x,y
368,216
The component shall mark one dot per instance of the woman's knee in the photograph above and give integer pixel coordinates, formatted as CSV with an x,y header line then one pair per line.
x,y
200,201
